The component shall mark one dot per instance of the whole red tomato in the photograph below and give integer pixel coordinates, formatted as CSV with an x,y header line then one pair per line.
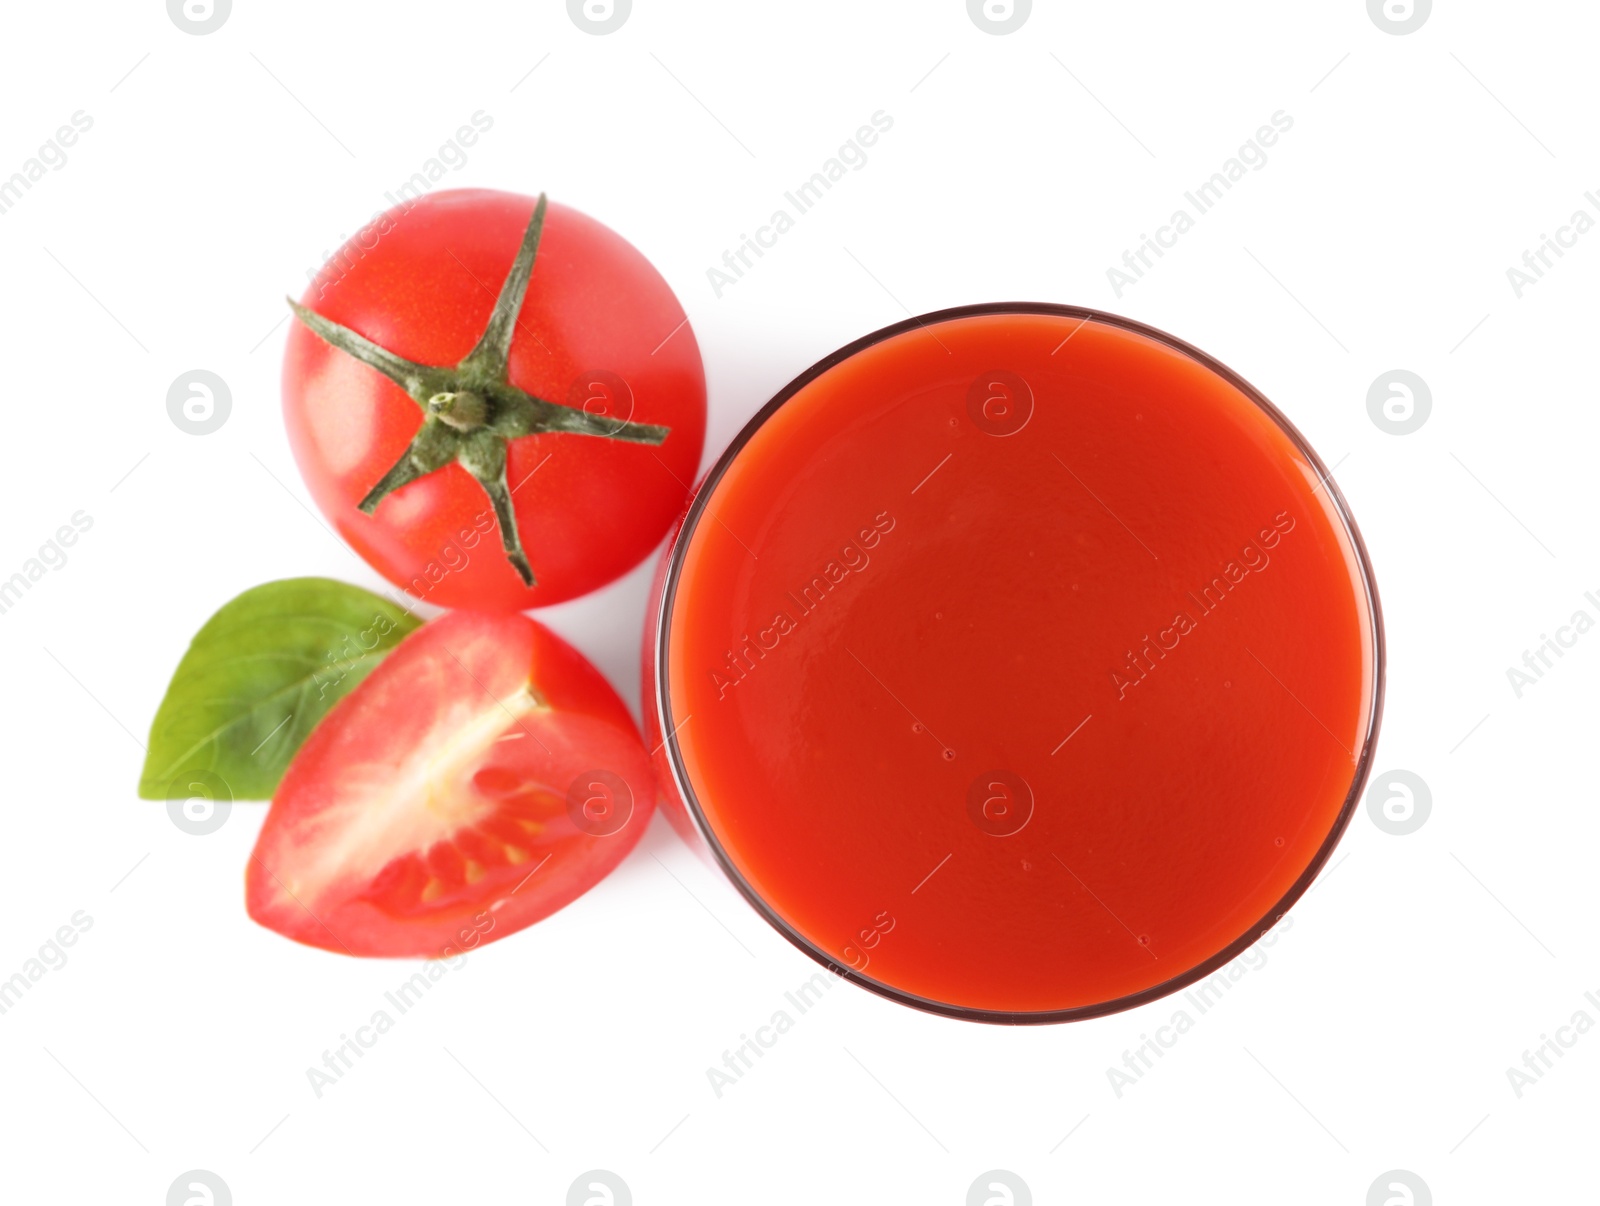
x,y
497,401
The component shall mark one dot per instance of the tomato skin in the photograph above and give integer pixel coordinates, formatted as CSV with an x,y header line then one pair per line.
x,y
440,805
422,282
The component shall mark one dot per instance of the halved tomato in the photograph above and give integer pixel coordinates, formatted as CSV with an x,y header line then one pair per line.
x,y
482,777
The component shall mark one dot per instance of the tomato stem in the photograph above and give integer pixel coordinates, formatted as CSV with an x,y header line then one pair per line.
x,y
471,411
462,410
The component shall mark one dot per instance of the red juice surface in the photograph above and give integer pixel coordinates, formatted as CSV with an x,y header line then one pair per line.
x,y
1020,662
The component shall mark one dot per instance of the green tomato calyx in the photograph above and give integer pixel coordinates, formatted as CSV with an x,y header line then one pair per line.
x,y
470,409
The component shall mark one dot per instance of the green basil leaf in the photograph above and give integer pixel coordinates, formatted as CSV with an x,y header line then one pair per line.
x,y
257,679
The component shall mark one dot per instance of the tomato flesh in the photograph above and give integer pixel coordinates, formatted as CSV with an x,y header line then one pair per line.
x,y
484,776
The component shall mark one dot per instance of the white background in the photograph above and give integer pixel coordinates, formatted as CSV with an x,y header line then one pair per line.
x,y
221,167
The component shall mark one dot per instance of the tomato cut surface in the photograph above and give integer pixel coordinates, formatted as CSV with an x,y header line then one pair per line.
x,y
484,776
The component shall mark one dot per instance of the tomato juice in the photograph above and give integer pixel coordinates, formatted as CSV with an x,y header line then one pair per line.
x,y
1020,662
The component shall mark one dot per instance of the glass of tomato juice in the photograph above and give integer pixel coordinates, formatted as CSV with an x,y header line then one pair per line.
x,y
1018,662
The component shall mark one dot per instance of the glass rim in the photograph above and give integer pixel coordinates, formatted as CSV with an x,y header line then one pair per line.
x,y
662,701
